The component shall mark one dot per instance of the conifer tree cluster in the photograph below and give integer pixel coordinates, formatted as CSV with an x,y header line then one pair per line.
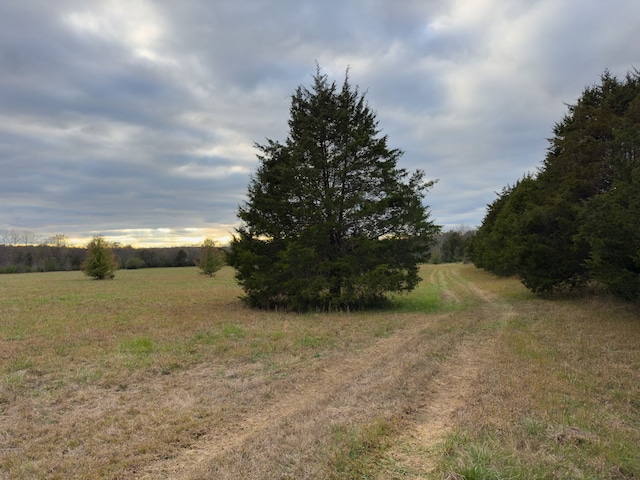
x,y
578,218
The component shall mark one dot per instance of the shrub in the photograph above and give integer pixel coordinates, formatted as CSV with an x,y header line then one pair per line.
x,y
211,258
133,263
101,262
51,264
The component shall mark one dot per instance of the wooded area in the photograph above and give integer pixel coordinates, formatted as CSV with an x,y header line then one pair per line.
x,y
577,219
48,258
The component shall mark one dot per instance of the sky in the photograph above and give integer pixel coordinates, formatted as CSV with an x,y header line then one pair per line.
x,y
136,120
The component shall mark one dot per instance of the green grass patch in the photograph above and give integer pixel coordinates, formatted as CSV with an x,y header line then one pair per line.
x,y
357,451
18,364
141,347
233,331
206,337
425,298
311,341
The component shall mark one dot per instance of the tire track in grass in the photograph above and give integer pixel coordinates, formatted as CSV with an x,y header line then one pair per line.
x,y
454,387
343,389
289,434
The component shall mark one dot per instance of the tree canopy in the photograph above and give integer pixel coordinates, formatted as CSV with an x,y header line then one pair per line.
x,y
577,219
331,221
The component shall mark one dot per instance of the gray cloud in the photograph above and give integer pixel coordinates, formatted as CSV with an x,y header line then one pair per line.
x,y
137,119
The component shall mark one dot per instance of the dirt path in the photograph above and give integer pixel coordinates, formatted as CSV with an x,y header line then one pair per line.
x,y
282,429
330,392
455,384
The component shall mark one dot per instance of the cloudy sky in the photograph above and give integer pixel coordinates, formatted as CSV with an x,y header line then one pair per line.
x,y
136,119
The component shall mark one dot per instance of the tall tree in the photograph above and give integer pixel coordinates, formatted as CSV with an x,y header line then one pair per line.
x,y
611,227
577,219
610,223
331,221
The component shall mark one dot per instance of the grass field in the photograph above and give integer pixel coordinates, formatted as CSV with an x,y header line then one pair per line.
x,y
164,373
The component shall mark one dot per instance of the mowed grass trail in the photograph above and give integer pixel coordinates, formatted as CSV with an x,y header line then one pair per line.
x,y
164,373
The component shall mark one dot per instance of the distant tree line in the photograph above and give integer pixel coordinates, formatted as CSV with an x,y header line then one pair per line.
x,y
54,254
453,246
25,237
577,219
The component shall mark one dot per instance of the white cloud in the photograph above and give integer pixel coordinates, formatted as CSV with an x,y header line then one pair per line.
x,y
136,25
210,172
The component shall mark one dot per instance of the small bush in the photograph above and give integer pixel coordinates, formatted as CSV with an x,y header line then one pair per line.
x,y
101,262
134,263
9,269
51,264
211,258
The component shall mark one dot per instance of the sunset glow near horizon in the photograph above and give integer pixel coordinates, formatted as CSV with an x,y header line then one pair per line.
x,y
162,237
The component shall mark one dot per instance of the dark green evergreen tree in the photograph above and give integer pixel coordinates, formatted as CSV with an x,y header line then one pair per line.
x,y
498,244
331,221
610,223
576,220
453,247
611,226
182,259
585,157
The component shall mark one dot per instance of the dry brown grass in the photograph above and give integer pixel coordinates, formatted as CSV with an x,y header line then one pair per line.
x,y
158,370
556,394
165,374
